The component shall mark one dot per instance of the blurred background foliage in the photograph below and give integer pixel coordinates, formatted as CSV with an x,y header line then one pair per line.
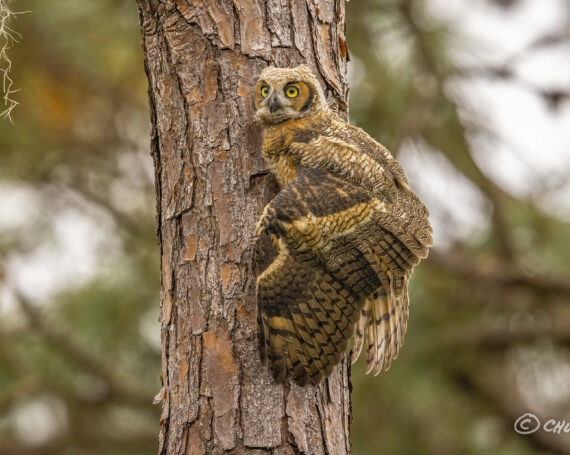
x,y
473,99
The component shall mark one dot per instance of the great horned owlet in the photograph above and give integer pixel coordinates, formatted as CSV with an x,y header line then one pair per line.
x,y
336,246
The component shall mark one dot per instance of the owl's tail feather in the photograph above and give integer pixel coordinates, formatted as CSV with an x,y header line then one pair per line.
x,y
361,327
392,309
384,321
373,349
382,325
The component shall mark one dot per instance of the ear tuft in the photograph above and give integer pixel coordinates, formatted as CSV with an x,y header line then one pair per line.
x,y
304,67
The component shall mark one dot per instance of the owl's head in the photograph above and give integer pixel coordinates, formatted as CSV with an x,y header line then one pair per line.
x,y
285,93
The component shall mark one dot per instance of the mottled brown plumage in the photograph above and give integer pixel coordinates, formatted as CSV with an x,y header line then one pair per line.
x,y
336,247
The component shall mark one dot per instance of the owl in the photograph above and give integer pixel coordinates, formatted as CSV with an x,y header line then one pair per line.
x,y
335,248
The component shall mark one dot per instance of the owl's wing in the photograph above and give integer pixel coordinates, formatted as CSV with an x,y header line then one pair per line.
x,y
326,248
346,159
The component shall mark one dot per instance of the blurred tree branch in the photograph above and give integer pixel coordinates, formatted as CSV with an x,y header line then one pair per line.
x,y
492,339
460,152
461,265
95,443
118,386
477,381
553,97
26,386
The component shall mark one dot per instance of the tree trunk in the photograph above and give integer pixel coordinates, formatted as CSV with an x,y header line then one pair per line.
x,y
202,59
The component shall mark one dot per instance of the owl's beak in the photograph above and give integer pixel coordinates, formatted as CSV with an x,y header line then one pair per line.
x,y
274,103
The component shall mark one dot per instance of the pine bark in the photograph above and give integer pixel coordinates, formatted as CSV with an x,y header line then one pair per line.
x,y
202,60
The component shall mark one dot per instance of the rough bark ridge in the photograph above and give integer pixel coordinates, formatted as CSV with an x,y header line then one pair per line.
x,y
202,59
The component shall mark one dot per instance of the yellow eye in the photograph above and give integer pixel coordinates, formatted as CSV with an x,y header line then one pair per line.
x,y
264,91
292,91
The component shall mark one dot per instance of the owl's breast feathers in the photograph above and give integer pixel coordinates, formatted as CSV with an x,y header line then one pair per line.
x,y
335,249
